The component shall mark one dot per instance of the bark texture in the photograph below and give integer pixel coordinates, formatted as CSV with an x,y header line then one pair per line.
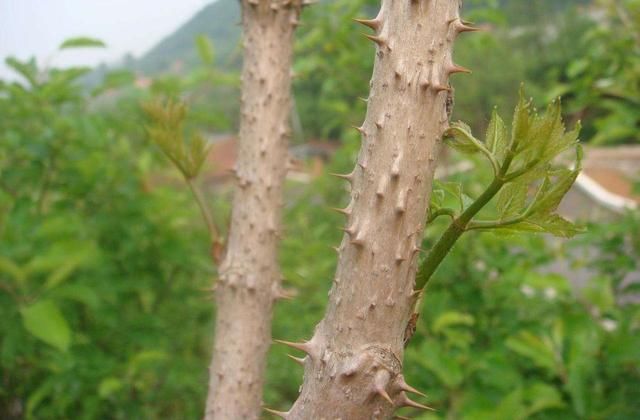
x,y
249,280
353,367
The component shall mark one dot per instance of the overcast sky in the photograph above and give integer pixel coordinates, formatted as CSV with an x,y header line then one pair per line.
x,y
38,27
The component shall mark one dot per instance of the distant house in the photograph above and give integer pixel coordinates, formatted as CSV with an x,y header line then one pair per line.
x,y
605,188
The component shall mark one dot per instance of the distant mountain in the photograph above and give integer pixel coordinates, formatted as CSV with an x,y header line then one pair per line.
x,y
219,21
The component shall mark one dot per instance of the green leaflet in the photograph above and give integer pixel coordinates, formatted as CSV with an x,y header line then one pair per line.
x,y
553,224
527,189
497,135
521,122
166,131
45,321
511,199
460,138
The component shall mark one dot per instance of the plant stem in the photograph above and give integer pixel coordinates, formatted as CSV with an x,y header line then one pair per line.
x,y
214,235
457,227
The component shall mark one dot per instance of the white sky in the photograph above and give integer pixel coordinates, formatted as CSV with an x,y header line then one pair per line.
x,y
38,27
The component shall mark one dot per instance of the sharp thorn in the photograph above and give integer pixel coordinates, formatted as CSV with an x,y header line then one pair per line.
x,y
357,242
371,23
298,360
407,402
378,40
304,347
457,69
347,177
281,414
344,211
403,385
286,294
360,129
381,380
384,394
463,26
349,231
441,88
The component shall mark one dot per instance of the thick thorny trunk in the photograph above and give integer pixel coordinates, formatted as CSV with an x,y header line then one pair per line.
x,y
249,278
353,367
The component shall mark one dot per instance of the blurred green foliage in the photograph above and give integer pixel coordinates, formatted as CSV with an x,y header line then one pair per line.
x,y
105,265
97,263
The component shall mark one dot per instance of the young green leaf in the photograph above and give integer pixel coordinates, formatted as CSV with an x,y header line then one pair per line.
x,y
45,321
82,42
166,131
521,122
497,136
521,165
511,200
460,138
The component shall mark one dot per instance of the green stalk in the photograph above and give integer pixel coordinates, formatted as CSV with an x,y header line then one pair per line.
x,y
214,235
457,227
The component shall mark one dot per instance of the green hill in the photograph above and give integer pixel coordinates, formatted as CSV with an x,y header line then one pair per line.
x,y
219,21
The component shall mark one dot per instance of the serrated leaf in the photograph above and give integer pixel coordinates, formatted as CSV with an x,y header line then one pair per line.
x,y
460,138
45,321
199,149
544,130
82,42
497,136
553,224
166,132
511,200
521,120
551,198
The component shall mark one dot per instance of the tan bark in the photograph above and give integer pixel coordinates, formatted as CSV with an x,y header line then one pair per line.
x,y
353,367
249,278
